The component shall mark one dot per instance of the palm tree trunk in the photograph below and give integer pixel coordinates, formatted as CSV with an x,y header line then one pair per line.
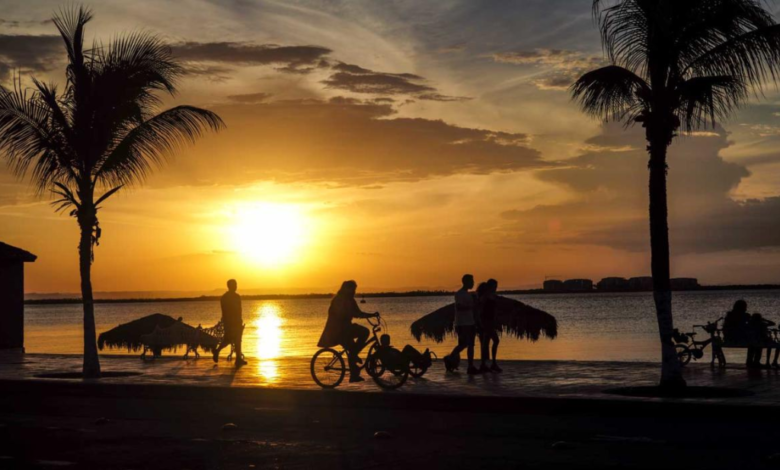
x,y
91,368
671,371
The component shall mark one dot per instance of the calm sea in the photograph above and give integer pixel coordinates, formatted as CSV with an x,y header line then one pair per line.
x,y
592,327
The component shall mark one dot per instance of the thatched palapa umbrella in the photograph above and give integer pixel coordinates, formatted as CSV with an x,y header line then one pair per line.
x,y
180,334
158,332
512,317
128,335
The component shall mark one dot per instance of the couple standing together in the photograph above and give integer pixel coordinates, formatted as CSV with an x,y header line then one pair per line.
x,y
475,314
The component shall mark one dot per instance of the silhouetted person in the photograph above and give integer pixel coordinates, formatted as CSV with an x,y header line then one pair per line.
x,y
488,330
735,323
465,326
232,322
759,331
737,329
339,329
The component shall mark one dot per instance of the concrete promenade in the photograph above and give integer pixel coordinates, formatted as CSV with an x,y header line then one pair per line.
x,y
537,414
548,379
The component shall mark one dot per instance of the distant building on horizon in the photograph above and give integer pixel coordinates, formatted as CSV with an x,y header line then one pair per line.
x,y
617,284
613,284
685,283
641,283
578,285
554,285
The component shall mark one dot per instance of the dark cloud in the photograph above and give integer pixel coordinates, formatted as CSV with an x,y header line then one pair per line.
x,y
440,97
456,48
357,79
564,66
6,23
250,98
345,142
28,53
378,83
558,81
213,73
292,59
725,226
610,204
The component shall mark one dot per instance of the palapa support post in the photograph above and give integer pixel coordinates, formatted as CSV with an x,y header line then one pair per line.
x,y
12,261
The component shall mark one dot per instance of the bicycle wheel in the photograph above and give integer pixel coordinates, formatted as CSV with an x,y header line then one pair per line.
x,y
683,354
391,378
327,368
373,368
416,371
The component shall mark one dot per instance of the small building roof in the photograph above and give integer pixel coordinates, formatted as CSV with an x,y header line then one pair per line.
x,y
12,253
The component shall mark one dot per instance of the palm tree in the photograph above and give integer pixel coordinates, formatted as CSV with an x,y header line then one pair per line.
x,y
102,133
676,66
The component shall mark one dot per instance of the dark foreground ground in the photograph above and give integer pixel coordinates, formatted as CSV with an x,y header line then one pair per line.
x,y
117,426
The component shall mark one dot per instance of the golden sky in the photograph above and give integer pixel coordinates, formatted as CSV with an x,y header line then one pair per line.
x,y
397,143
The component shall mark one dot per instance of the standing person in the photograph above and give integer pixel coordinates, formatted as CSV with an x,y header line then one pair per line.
x,y
339,329
760,336
232,321
465,326
489,332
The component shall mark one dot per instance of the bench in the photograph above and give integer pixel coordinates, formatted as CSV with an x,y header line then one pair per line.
x,y
688,347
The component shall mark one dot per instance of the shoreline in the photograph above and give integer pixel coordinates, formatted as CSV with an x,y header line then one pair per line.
x,y
213,298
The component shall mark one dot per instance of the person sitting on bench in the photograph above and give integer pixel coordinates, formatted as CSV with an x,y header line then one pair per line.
x,y
737,330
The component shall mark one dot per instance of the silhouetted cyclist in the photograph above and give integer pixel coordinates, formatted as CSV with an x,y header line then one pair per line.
x,y
339,329
232,322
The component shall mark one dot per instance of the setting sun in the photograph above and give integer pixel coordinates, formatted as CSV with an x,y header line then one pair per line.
x,y
270,234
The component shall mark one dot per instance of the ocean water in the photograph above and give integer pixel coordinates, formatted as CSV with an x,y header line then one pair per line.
x,y
618,327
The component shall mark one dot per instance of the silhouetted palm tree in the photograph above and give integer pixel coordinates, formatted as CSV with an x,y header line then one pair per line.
x,y
101,133
676,65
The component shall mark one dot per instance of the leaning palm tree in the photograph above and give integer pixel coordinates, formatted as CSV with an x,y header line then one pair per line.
x,y
676,66
104,131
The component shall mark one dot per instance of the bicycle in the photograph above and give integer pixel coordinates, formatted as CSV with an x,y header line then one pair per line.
x,y
328,367
688,348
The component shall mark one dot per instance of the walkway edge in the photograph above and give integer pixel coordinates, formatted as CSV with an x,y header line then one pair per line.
x,y
286,398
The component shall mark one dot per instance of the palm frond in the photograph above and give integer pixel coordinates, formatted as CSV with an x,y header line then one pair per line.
x,y
624,30
703,99
28,139
698,59
67,198
611,93
752,57
144,59
153,141
107,195
128,75
70,22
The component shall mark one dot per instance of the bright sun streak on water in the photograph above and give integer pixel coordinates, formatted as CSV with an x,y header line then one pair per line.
x,y
269,340
269,234
269,331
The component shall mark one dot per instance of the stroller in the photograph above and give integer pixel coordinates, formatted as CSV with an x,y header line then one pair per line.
x,y
419,362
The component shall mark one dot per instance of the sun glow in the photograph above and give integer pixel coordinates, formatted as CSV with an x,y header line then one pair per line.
x,y
270,234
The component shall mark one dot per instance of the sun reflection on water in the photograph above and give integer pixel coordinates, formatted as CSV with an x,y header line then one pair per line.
x,y
268,324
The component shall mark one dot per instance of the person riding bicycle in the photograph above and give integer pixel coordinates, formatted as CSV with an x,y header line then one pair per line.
x,y
339,329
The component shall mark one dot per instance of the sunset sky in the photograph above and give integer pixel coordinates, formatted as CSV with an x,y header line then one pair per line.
x,y
399,143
